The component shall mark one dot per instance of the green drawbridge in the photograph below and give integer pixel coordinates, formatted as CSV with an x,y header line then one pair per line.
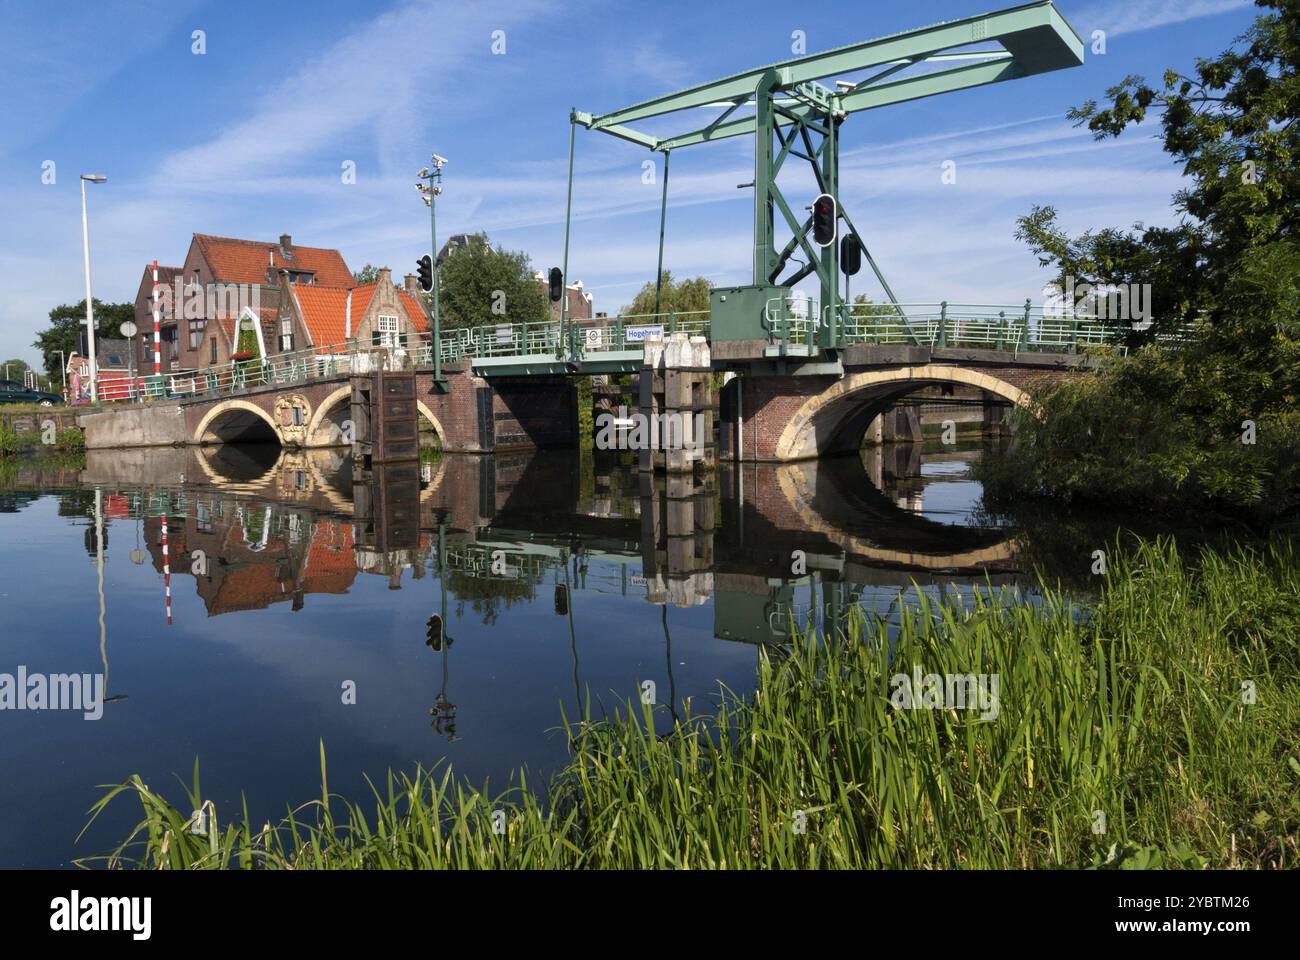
x,y
792,113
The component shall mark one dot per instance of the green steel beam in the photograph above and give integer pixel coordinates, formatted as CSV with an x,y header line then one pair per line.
x,y
623,133
1035,34
931,84
873,97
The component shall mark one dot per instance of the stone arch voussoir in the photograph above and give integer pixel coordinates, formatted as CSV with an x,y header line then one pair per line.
x,y
800,440
228,406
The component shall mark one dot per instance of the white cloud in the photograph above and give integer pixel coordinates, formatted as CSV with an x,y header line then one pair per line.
x,y
1118,17
375,81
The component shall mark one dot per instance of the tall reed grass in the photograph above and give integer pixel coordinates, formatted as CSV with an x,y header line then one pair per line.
x,y
1161,727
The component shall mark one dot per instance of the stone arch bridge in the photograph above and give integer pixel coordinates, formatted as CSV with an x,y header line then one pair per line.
x,y
774,410
776,418
472,415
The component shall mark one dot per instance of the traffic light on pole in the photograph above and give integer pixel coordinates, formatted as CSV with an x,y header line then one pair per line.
x,y
425,267
824,216
850,254
556,284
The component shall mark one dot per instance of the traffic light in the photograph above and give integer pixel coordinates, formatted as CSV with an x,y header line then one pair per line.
x,y
557,284
850,254
824,216
425,266
434,634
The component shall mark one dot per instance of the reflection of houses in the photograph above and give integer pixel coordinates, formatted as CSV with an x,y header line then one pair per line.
x,y
248,556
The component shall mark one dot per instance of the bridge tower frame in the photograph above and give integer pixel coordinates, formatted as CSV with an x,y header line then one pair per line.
x,y
790,106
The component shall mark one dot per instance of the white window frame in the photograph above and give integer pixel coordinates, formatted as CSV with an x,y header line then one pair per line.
x,y
388,327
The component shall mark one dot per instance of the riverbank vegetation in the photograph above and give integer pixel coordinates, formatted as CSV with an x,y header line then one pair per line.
x,y
1158,727
14,441
1203,411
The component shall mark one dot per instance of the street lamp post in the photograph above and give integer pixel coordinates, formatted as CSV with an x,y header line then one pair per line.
x,y
90,309
430,191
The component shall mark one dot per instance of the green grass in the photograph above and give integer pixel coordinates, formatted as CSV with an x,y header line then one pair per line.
x,y
1134,709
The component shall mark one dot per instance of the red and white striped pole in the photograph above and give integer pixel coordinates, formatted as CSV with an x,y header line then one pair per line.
x,y
167,570
157,328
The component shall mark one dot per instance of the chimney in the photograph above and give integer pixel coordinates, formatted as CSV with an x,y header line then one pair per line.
x,y
385,275
286,246
412,284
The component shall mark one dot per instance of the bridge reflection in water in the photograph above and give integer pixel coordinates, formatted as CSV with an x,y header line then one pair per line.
x,y
563,583
767,544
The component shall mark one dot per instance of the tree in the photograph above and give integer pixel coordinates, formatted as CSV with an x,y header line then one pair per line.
x,y
15,370
1175,420
67,320
367,274
682,296
482,284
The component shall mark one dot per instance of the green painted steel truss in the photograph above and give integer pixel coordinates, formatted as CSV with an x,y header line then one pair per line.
x,y
792,114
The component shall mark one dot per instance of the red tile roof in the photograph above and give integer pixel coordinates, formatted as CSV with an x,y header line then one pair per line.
x,y
324,311
414,311
247,261
361,297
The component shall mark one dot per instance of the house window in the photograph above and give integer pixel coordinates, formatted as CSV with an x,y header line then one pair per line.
x,y
385,333
212,352
301,276
196,334
286,336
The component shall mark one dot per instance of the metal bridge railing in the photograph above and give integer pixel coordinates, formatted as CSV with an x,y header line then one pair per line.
x,y
791,320
1022,327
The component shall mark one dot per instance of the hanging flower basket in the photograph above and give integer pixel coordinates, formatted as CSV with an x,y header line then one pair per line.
x,y
242,355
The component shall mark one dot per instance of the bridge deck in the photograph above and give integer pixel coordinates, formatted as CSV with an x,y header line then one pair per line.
x,y
616,344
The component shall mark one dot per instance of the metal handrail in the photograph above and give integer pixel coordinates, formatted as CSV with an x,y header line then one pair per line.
x,y
789,320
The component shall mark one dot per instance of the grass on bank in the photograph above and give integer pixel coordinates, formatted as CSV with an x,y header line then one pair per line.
x,y
12,442
1135,709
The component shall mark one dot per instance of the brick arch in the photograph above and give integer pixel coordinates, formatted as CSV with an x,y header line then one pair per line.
x,y
345,392
325,406
227,407
815,426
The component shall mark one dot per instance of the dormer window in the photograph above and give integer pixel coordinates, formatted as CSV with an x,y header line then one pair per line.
x,y
301,276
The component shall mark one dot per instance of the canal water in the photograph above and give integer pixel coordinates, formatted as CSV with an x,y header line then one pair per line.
x,y
246,605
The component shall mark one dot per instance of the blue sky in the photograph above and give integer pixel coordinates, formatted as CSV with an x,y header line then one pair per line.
x,y
249,139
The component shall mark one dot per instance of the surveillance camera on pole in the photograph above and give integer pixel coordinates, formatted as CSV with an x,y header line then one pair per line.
x,y
430,186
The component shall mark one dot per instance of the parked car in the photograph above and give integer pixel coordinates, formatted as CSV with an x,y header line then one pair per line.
x,y
11,392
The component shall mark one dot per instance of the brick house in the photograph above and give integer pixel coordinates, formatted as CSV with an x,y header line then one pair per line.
x,y
317,315
578,304
222,281
144,321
